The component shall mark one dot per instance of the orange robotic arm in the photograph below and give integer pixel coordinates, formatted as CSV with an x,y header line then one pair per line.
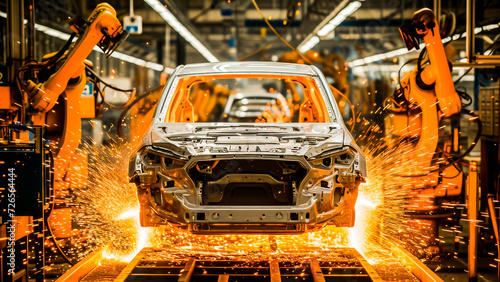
x,y
431,95
102,29
431,88
425,26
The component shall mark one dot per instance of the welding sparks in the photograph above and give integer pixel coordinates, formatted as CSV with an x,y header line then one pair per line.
x,y
109,213
106,208
143,233
106,211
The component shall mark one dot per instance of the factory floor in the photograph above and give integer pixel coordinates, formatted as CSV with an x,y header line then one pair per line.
x,y
453,266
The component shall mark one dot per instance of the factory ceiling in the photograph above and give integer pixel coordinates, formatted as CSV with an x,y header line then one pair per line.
x,y
373,28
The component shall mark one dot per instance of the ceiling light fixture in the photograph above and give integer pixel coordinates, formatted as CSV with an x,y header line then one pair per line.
x,y
181,29
309,44
382,56
334,19
403,51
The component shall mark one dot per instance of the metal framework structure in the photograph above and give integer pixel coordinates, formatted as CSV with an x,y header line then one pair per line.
x,y
341,264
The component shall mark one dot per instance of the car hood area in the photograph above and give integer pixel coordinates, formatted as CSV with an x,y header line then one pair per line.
x,y
194,139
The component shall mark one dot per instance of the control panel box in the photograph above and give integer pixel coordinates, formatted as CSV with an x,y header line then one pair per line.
x,y
488,109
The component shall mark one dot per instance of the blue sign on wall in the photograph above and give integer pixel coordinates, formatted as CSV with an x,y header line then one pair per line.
x,y
88,90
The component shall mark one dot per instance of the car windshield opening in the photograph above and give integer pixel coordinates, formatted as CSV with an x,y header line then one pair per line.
x,y
247,99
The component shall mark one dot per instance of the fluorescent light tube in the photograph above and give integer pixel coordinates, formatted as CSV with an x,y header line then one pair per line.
x,y
309,44
339,18
402,51
181,29
336,17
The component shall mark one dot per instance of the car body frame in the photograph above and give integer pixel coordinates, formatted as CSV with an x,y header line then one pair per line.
x,y
212,177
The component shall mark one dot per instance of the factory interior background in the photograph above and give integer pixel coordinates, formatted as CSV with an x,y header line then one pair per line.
x,y
94,167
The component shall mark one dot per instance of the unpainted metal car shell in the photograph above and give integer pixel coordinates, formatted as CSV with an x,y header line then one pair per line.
x,y
272,178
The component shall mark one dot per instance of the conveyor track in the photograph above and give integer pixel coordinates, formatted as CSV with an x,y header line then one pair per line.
x,y
183,262
343,264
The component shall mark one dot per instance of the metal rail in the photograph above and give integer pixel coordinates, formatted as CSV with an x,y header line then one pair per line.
x,y
129,268
274,271
472,196
472,58
79,270
187,271
344,264
316,271
417,267
369,269
338,264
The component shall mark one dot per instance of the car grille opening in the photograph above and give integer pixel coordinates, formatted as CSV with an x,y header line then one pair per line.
x,y
251,182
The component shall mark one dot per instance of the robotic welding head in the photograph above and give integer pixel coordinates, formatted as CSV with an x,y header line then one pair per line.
x,y
423,21
103,19
109,43
113,33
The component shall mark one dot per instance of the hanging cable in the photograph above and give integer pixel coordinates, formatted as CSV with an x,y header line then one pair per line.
x,y
464,96
279,36
265,46
132,91
287,26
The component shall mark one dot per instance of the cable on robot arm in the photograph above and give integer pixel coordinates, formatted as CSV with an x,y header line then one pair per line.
x,y
98,79
43,67
473,117
53,60
465,96
39,68
420,59
399,108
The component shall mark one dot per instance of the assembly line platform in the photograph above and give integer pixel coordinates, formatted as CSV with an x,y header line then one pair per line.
x,y
337,264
